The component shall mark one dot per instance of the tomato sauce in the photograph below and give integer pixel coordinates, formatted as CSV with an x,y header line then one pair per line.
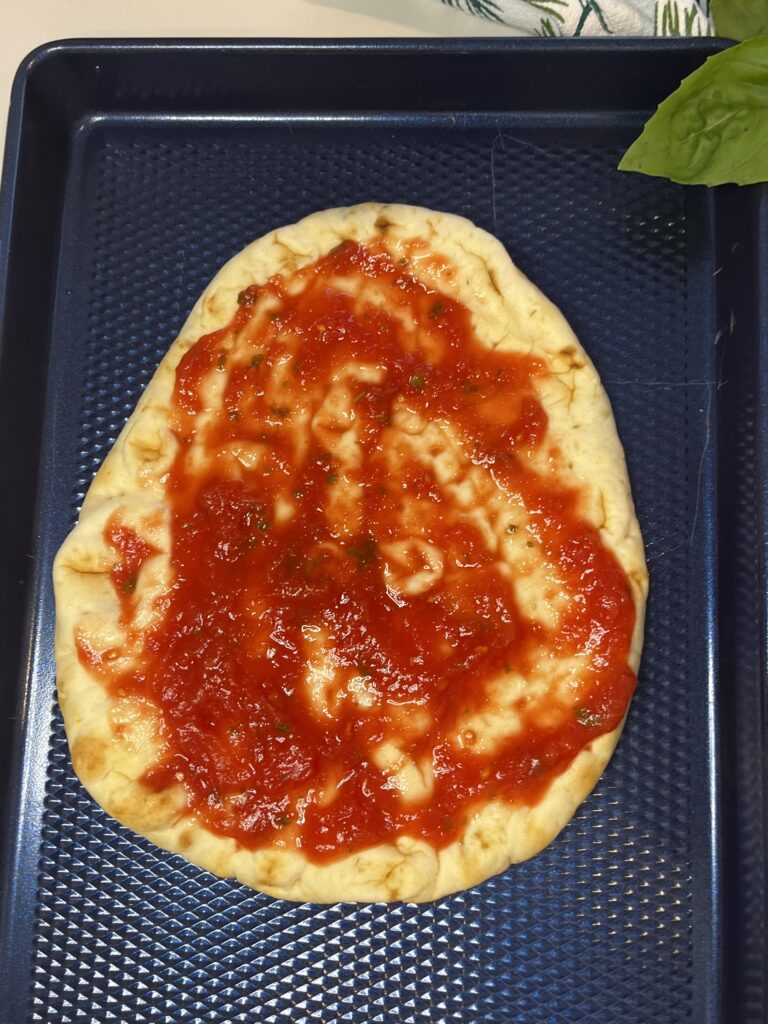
x,y
133,553
258,591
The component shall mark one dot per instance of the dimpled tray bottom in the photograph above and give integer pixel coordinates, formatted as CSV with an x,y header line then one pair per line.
x,y
612,898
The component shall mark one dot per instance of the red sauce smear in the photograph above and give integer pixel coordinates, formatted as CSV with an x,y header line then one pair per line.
x,y
133,553
228,665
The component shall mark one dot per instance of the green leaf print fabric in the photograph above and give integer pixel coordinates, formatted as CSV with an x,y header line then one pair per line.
x,y
595,17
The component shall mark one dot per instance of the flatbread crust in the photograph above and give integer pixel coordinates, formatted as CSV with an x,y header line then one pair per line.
x,y
113,742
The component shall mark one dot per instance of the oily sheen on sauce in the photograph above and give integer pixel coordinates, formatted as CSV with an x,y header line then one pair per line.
x,y
227,666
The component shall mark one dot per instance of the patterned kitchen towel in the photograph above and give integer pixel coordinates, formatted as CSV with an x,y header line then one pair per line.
x,y
596,17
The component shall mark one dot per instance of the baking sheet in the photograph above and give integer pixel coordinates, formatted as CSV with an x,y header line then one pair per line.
x,y
133,171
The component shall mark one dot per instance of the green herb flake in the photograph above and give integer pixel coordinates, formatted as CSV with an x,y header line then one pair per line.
x,y
529,543
332,478
283,820
291,560
437,310
417,382
234,414
129,583
712,129
512,528
248,296
283,728
364,552
257,360
221,362
298,493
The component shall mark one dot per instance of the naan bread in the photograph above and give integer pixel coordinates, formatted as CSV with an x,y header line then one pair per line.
x,y
115,739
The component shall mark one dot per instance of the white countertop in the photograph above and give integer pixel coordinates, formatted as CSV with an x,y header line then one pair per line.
x,y
40,21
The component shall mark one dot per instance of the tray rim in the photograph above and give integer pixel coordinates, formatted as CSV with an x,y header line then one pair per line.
x,y
401,44
415,47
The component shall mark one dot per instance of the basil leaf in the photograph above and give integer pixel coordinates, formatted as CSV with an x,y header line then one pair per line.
x,y
714,128
740,19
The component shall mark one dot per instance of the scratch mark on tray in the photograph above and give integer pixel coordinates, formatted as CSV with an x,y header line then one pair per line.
x,y
705,448
637,382
655,556
721,342
499,138
502,138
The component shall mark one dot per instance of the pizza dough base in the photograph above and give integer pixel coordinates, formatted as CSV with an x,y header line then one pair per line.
x,y
506,309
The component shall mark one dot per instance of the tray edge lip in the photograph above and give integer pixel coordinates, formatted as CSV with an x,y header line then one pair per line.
x,y
415,45
761,497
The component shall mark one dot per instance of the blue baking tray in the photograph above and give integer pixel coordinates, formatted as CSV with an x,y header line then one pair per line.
x,y
133,170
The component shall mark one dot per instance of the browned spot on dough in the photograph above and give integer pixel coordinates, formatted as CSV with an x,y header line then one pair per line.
x,y
213,304
185,840
482,842
89,757
269,868
382,224
141,809
572,355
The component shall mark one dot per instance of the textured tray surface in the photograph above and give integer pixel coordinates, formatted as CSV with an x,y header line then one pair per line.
x,y
162,162
600,927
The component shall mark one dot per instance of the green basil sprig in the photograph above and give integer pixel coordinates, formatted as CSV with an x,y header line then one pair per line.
x,y
714,128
